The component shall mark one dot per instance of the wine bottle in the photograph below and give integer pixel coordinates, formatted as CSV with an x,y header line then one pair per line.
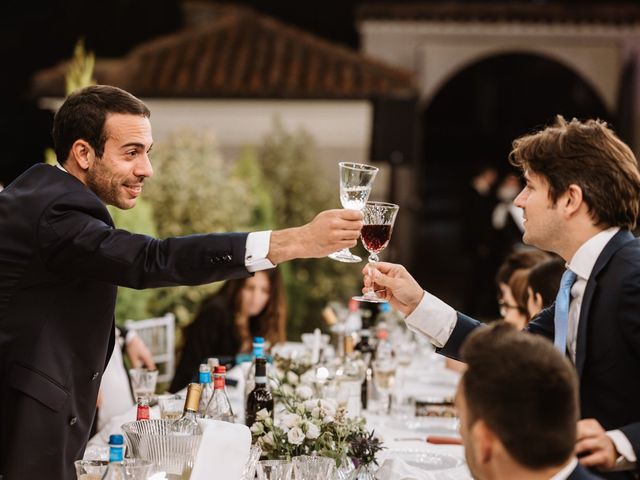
x,y
207,389
187,423
219,407
366,350
258,351
261,396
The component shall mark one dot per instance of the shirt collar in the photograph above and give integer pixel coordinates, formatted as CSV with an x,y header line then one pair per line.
x,y
61,167
585,257
566,470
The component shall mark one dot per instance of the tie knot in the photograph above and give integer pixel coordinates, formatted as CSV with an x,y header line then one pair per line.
x,y
568,279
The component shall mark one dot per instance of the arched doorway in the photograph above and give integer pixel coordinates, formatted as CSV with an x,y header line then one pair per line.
x,y
471,120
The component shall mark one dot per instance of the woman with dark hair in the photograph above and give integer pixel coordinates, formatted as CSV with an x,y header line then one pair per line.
x,y
229,319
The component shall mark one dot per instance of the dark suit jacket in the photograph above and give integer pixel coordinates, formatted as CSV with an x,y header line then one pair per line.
x,y
581,473
608,343
61,260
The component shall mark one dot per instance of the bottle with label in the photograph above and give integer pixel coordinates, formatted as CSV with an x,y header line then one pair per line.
x,y
384,349
349,375
261,396
142,412
250,377
219,407
116,456
187,424
204,377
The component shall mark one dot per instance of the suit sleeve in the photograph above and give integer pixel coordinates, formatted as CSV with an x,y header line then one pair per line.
x,y
543,323
75,238
464,326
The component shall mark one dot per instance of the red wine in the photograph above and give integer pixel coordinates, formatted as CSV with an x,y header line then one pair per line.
x,y
375,237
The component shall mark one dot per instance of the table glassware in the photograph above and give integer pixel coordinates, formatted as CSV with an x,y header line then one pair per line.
x,y
356,180
143,382
308,467
91,469
379,218
249,471
136,469
170,406
384,375
275,470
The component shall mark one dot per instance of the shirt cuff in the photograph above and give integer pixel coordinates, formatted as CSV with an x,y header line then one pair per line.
x,y
627,458
256,250
433,318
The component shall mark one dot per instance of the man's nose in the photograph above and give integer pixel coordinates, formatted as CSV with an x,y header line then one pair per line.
x,y
144,168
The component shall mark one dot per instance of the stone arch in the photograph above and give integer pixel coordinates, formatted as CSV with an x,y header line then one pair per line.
x,y
440,63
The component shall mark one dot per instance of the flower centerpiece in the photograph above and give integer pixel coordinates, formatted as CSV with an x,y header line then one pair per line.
x,y
312,426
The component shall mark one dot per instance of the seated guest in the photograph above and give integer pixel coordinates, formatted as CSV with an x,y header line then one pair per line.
x,y
229,319
518,407
513,305
544,282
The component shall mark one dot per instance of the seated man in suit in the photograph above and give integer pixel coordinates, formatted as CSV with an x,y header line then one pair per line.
x,y
581,201
518,407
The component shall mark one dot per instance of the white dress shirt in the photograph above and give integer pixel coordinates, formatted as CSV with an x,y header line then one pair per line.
x,y
435,319
256,248
566,470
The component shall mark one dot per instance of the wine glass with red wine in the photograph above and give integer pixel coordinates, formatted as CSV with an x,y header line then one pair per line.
x,y
379,218
356,180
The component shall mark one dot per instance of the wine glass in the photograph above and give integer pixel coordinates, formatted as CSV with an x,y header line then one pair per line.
x,y
384,376
379,218
355,185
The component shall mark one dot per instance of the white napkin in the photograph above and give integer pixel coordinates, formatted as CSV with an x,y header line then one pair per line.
x,y
223,451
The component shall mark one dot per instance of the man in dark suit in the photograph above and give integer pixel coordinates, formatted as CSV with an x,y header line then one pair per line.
x,y
581,201
61,260
518,407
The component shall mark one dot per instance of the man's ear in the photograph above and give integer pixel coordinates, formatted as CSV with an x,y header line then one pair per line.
x,y
81,154
483,441
572,199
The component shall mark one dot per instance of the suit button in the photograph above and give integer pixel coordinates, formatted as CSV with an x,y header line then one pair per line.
x,y
94,375
217,259
227,258
73,421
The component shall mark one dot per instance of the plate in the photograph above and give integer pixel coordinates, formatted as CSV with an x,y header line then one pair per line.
x,y
433,425
425,460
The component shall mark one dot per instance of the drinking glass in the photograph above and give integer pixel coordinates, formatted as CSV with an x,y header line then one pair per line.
x,y
274,470
307,467
91,469
136,469
143,382
356,180
249,471
379,218
384,376
171,406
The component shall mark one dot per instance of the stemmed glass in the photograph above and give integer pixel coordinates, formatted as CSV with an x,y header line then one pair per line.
x,y
379,218
384,376
356,180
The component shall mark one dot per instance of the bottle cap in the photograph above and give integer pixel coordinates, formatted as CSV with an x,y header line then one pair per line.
x,y
116,440
204,368
382,334
258,339
213,362
385,307
220,369
354,305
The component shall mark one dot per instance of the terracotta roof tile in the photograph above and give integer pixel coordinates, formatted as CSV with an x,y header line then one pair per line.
x,y
245,55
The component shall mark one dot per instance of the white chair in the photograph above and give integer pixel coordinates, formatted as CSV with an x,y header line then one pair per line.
x,y
159,336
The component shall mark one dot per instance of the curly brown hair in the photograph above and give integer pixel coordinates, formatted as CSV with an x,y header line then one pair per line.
x,y
590,155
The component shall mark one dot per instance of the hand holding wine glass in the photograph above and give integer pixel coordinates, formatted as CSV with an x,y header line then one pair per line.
x,y
356,180
379,218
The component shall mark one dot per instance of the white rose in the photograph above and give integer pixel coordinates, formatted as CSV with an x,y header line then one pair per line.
x,y
268,439
295,436
309,405
262,415
291,420
327,419
292,378
313,431
257,428
304,392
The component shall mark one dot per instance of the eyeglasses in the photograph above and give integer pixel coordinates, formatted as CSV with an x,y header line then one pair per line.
x,y
505,307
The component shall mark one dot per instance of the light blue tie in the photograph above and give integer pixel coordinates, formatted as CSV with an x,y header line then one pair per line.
x,y
561,317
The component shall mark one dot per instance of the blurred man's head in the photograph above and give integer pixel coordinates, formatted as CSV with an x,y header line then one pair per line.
x,y
518,403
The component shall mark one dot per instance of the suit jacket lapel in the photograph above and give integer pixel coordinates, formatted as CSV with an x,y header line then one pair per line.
x,y
618,240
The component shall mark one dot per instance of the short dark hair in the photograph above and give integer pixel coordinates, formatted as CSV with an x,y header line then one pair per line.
x,y
587,154
83,114
544,279
525,391
523,258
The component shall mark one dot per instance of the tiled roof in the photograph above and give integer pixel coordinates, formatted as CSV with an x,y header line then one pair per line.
x,y
612,13
243,54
